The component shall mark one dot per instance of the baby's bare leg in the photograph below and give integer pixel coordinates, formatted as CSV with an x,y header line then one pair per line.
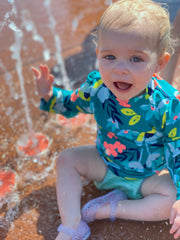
x,y
159,195
71,165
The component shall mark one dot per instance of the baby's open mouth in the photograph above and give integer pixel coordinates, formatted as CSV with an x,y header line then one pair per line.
x,y
123,85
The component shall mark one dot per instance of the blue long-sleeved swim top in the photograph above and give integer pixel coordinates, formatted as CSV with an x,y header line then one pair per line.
x,y
135,138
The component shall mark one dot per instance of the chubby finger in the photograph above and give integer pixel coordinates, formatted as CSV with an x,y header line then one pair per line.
x,y
45,71
172,216
176,226
177,234
173,228
42,71
51,78
36,72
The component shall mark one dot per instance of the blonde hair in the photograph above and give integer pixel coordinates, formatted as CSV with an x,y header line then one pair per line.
x,y
126,13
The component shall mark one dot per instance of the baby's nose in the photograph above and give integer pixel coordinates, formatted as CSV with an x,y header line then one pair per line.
x,y
121,67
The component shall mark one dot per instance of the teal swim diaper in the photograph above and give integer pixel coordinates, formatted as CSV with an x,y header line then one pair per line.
x,y
130,186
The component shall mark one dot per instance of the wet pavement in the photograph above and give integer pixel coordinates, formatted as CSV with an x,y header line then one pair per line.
x,y
55,33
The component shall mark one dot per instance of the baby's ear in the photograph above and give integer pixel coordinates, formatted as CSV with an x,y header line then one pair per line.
x,y
164,59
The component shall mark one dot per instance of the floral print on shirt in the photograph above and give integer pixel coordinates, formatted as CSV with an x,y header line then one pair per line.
x,y
135,138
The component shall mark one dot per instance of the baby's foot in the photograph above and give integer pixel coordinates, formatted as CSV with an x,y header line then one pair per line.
x,y
103,207
82,232
63,236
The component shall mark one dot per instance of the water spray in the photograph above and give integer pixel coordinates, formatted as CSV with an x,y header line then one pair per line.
x,y
36,142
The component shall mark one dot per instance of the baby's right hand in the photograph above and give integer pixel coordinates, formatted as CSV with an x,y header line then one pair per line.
x,y
44,81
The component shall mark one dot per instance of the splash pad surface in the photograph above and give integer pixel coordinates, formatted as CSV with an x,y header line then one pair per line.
x,y
7,182
55,33
38,143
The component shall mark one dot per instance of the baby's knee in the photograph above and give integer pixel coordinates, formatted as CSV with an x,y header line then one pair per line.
x,y
64,158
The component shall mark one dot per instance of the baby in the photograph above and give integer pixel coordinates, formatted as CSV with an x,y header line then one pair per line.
x,y
137,151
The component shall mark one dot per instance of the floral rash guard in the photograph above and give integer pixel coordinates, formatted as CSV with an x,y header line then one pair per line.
x,y
135,138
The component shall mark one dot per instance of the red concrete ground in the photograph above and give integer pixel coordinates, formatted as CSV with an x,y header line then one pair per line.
x,y
51,32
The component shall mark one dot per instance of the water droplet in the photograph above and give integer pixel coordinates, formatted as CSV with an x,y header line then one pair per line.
x,y
11,1
35,160
46,54
13,27
16,96
9,111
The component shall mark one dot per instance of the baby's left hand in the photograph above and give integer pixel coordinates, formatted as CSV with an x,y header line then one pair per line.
x,y
175,219
44,82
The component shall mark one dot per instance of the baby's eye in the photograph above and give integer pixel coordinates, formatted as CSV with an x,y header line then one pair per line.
x,y
136,59
110,57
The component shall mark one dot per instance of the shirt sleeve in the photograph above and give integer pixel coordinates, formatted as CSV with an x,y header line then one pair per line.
x,y
171,119
70,103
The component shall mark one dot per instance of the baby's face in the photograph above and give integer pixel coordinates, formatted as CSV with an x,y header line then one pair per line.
x,y
127,61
